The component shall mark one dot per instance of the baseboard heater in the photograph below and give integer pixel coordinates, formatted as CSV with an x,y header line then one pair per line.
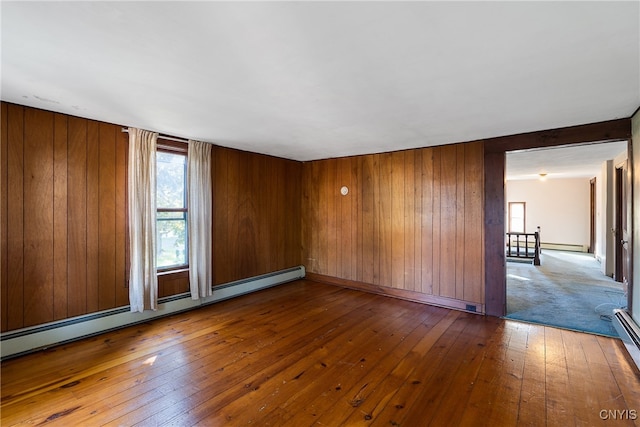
x,y
629,333
564,247
26,340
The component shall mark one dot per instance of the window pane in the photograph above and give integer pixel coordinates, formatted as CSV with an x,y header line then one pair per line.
x,y
172,240
516,217
171,180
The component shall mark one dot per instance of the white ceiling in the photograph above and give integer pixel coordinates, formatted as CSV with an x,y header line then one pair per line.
x,y
581,161
310,80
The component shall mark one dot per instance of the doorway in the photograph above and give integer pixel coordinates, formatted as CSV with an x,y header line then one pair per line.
x,y
570,288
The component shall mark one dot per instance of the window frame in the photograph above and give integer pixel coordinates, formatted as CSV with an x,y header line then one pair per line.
x,y
179,148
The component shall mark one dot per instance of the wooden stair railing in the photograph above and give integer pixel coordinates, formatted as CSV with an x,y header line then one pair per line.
x,y
524,245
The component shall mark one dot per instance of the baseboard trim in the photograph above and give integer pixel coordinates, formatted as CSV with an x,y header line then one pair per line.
x,y
468,306
21,341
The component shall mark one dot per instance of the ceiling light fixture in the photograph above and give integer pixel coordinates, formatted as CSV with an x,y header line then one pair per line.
x,y
543,177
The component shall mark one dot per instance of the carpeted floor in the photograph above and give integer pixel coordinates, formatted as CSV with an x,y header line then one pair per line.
x,y
567,290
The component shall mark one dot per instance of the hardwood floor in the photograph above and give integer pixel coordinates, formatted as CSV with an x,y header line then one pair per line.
x,y
307,353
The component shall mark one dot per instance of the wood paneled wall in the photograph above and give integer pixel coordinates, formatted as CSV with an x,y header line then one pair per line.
x,y
256,214
412,221
63,217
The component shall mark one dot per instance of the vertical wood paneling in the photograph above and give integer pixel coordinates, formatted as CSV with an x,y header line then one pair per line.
x,y
331,194
368,218
495,270
396,220
385,225
4,268
93,216
121,252
60,242
356,218
436,224
474,221
448,211
221,262
107,216
64,217
345,237
15,217
257,198
38,223
461,214
417,221
277,204
427,221
257,213
313,216
77,216
418,225
409,213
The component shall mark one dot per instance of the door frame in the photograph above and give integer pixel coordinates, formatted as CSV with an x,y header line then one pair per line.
x,y
495,150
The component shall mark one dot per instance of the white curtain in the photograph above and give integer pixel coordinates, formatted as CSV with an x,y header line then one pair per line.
x,y
143,279
199,219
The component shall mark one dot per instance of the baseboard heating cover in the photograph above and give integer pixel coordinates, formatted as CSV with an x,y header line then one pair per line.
x,y
629,333
22,341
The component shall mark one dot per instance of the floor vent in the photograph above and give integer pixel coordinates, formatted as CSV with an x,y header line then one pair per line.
x,y
629,333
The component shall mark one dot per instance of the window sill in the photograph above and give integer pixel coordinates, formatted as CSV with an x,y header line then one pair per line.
x,y
176,271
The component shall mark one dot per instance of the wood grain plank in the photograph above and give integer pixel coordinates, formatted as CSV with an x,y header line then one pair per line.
x,y
4,196
60,214
460,234
417,221
106,216
385,237
356,217
474,224
121,219
396,220
448,214
533,394
331,194
346,260
409,212
321,175
559,406
77,216
257,201
93,216
427,221
275,192
495,270
221,216
368,218
15,217
437,221
38,220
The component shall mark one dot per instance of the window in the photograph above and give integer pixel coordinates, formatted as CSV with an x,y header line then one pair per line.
x,y
171,199
516,217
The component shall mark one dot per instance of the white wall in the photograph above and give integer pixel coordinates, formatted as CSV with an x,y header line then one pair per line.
x,y
559,206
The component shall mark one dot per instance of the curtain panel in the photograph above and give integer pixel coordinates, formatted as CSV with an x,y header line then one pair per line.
x,y
143,278
199,219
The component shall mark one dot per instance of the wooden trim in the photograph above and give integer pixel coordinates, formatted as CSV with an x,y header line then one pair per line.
x,y
495,261
419,297
494,157
609,131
